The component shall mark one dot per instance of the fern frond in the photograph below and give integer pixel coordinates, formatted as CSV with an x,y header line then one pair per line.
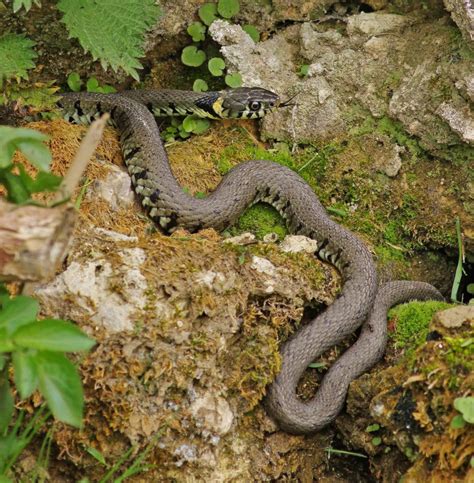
x,y
16,56
111,30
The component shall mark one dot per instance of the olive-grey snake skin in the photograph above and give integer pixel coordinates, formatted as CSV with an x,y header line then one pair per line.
x,y
169,206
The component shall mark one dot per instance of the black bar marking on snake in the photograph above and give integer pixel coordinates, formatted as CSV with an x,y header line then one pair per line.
x,y
155,196
132,153
78,108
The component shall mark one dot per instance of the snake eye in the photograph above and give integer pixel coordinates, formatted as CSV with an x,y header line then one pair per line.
x,y
254,105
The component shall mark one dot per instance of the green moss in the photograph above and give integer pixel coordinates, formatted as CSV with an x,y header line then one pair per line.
x,y
412,321
460,359
260,219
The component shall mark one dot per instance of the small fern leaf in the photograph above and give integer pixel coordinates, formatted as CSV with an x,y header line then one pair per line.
x,y
16,57
111,30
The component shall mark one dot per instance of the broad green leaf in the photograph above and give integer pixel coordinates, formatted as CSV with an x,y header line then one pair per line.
x,y
17,4
6,343
457,422
113,31
304,70
465,405
233,80
24,371
92,84
61,386
228,8
252,31
74,81
52,335
36,152
17,312
377,441
200,85
44,181
17,192
9,139
194,124
16,56
197,31
216,66
372,427
6,403
207,13
192,56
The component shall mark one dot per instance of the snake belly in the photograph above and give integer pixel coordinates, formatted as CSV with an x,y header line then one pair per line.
x,y
247,183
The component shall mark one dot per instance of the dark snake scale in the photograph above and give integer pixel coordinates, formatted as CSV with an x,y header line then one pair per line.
x,y
361,300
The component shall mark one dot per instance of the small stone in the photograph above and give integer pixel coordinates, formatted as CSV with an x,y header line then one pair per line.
x,y
375,23
262,265
270,238
456,317
213,412
243,239
298,243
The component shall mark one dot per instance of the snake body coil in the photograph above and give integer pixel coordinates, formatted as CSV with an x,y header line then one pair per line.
x,y
169,206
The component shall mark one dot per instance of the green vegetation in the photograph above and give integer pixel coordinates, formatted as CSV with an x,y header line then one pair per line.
x,y
195,55
75,83
95,26
412,321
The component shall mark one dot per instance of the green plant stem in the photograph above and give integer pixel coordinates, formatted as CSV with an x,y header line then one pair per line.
x,y
459,269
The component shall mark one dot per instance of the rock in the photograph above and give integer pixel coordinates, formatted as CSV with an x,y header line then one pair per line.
x,y
243,239
376,23
115,189
456,317
212,413
462,12
298,243
460,119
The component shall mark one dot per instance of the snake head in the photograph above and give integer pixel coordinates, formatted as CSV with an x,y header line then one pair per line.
x,y
245,103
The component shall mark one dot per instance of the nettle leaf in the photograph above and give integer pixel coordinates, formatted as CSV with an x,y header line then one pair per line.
x,y
252,31
61,386
16,56
208,13
40,95
26,377
216,66
52,335
197,31
111,30
44,181
233,80
228,8
192,56
200,85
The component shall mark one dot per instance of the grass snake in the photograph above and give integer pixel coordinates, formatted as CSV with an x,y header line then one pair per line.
x,y
361,301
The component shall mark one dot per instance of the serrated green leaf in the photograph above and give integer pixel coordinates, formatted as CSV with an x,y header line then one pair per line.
x,y
207,13
74,81
16,56
197,31
6,403
233,80
200,85
61,386
40,95
228,8
192,56
112,31
24,371
252,31
216,66
52,335
16,312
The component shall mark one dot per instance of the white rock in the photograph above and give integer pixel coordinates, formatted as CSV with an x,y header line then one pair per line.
x,y
298,243
213,413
